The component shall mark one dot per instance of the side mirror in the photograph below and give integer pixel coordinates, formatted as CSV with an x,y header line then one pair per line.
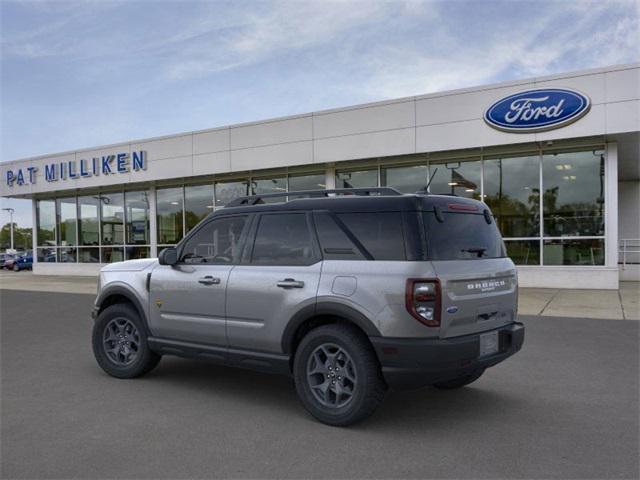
x,y
168,256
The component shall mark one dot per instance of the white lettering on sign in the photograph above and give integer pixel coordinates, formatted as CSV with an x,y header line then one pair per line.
x,y
523,109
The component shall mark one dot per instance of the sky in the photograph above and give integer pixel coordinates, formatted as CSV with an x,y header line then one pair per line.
x,y
86,73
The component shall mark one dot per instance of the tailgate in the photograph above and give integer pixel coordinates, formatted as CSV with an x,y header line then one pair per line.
x,y
477,295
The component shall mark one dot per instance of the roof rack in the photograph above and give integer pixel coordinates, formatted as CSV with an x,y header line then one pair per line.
x,y
258,199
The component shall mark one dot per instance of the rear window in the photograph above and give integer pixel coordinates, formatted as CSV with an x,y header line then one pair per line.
x,y
462,236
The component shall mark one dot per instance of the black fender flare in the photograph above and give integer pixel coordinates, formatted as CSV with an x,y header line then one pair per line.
x,y
119,290
330,309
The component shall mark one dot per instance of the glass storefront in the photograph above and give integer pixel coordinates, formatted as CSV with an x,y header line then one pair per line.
x,y
562,226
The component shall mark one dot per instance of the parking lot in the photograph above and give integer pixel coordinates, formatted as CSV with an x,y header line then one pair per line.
x,y
566,406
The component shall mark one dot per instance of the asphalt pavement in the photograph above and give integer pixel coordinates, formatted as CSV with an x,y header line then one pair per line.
x,y
566,406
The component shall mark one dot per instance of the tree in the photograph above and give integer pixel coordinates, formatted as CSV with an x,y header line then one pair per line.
x,y
21,237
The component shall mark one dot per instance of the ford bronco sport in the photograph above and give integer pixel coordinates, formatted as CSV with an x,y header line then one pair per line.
x,y
350,292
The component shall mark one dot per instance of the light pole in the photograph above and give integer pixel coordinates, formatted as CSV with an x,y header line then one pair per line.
x,y
11,212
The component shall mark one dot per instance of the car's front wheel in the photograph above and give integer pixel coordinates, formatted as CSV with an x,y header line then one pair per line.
x,y
120,343
337,375
16,268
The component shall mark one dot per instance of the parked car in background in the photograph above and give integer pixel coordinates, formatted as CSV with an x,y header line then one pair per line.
x,y
7,260
23,262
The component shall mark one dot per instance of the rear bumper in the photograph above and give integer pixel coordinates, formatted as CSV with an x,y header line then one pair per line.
x,y
409,363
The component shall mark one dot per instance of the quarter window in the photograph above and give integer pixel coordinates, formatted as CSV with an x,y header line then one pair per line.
x,y
283,239
217,242
379,233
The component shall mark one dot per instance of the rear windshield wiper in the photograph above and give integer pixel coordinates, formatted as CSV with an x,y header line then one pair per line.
x,y
478,250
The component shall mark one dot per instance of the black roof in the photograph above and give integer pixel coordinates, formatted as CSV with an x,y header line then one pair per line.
x,y
385,202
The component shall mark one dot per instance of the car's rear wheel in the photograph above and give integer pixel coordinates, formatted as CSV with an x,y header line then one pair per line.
x,y
120,343
460,382
337,375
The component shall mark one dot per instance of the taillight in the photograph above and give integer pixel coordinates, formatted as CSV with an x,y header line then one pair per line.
x,y
423,300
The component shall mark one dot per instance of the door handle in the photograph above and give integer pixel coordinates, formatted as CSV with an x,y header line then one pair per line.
x,y
290,283
209,280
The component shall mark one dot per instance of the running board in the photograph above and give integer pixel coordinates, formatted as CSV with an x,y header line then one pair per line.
x,y
250,359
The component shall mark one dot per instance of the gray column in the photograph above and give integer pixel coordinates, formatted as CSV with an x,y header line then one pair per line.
x,y
153,222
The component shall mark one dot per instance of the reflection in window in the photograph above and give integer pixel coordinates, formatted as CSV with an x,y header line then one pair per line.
x,y
169,207
456,178
137,217
574,252
112,216
217,242
228,191
269,185
283,239
133,253
112,254
47,255
67,255
357,179
405,179
512,191
67,212
88,220
89,255
573,198
198,203
46,218
307,182
524,252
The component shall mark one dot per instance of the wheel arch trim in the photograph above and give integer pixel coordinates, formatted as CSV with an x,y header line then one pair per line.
x,y
123,291
326,309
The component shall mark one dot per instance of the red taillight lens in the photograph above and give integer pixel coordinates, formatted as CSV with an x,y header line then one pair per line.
x,y
423,300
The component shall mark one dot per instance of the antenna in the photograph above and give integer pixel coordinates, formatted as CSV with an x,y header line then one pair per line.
x,y
426,187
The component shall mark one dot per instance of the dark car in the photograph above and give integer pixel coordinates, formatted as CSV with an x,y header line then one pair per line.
x,y
23,262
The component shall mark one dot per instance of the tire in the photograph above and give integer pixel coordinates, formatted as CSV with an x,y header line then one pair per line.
x,y
360,380
16,268
459,382
119,326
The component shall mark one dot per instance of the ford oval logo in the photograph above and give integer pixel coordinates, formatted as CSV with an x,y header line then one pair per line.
x,y
537,110
452,309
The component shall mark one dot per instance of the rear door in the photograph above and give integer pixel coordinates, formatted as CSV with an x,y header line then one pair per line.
x,y
478,282
187,300
278,276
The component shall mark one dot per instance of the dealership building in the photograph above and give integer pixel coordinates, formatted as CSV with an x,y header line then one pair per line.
x,y
556,158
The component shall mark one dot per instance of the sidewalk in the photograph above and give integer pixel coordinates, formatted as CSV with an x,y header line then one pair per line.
x,y
623,304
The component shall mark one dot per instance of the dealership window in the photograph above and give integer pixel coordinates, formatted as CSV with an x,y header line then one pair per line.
x,y
88,222
523,252
573,194
112,218
574,251
314,181
512,191
137,218
357,179
170,216
46,222
198,203
460,178
67,221
227,191
405,179
269,185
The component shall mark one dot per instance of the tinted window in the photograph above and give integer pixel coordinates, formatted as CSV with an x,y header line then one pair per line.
x,y
379,233
334,242
217,242
462,236
283,239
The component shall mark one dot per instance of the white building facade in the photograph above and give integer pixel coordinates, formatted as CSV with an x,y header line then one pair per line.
x,y
556,158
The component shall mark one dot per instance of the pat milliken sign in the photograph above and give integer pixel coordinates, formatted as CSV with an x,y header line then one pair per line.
x,y
105,165
537,110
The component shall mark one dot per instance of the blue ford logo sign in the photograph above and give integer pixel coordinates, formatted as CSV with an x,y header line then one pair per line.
x,y
537,110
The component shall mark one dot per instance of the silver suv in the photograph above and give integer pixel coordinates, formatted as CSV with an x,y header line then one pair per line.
x,y
350,292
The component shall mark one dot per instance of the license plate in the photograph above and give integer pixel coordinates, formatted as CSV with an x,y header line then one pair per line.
x,y
488,344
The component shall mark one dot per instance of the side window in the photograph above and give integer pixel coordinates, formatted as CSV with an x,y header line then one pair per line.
x,y
283,239
334,242
381,234
218,242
